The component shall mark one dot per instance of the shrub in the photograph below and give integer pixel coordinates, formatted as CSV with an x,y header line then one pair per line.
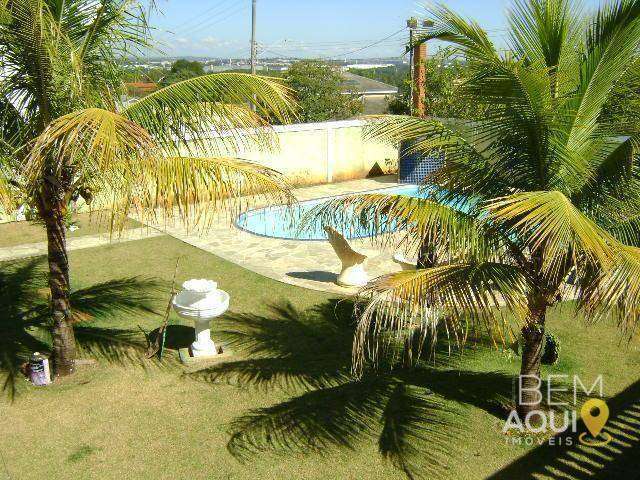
x,y
551,350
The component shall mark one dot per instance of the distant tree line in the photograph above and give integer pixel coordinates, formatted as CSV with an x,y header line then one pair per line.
x,y
321,95
317,85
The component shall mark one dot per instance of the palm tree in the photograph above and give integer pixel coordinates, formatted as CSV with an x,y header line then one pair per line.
x,y
66,135
537,199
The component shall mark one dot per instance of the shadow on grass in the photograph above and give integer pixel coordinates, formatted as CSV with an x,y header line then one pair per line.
x,y
308,355
617,460
25,318
177,336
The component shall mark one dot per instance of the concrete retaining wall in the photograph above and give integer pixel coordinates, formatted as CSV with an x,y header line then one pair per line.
x,y
313,153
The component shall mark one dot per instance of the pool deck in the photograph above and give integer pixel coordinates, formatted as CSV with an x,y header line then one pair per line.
x,y
308,264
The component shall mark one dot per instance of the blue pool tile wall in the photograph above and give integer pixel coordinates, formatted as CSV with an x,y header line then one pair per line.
x,y
413,167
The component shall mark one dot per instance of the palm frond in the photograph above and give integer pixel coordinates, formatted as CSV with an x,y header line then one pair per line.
x,y
627,229
8,191
451,231
88,141
210,112
518,93
553,229
519,122
547,33
468,35
120,163
13,126
195,189
617,162
395,129
25,40
613,291
453,296
611,42
120,24
426,136
467,170
610,188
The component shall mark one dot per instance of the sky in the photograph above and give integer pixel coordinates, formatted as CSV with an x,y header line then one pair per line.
x,y
304,28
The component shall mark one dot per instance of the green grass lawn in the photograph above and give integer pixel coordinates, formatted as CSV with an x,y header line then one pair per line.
x,y
284,406
17,233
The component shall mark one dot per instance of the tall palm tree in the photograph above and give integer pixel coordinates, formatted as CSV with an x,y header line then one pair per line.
x,y
538,198
65,133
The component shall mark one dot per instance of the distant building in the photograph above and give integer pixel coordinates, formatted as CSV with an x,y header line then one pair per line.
x,y
229,67
375,95
367,66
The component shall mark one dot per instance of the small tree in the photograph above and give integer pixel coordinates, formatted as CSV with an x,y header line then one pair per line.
x,y
318,90
64,134
538,198
446,72
183,70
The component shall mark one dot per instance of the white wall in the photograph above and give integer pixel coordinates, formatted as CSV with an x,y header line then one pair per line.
x,y
313,153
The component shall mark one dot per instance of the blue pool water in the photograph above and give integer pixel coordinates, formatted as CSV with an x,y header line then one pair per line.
x,y
280,222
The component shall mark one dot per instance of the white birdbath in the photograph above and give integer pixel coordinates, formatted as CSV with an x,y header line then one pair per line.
x,y
201,301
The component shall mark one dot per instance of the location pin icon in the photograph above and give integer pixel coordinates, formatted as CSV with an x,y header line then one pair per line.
x,y
595,423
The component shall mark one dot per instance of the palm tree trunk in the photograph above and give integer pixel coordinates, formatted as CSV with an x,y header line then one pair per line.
x,y
64,343
529,393
426,256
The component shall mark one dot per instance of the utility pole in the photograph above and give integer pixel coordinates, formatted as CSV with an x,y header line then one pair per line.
x,y
254,45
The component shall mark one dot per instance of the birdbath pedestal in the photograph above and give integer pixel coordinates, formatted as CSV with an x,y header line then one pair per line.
x,y
200,301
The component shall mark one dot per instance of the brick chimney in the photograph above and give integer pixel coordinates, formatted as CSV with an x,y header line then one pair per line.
x,y
419,78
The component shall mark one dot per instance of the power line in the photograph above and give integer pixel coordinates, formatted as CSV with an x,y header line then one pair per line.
x,y
335,42
305,44
198,18
298,57
280,55
344,54
320,45
323,46
220,16
312,55
326,51
220,20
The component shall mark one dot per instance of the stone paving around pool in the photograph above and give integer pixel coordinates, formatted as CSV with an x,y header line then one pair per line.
x,y
309,264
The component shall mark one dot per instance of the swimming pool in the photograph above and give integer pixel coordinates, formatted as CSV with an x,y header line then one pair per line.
x,y
282,222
